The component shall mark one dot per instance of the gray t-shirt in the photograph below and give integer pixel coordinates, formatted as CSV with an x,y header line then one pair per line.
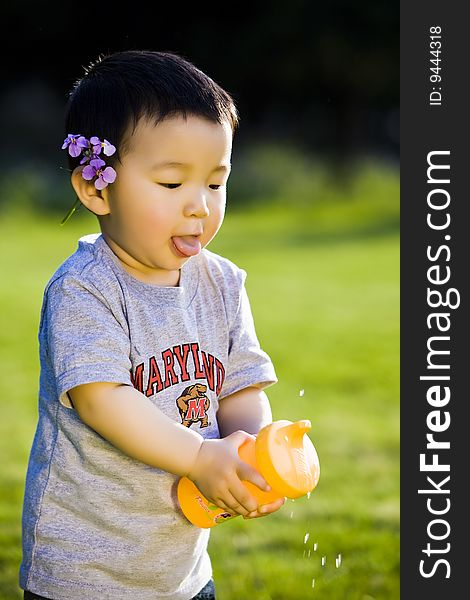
x,y
98,524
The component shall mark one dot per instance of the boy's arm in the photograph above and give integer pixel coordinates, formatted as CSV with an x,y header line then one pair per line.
x,y
247,409
128,420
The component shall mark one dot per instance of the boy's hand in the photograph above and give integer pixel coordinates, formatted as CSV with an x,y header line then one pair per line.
x,y
218,472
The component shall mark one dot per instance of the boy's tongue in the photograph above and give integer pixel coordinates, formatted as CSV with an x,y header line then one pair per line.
x,y
188,245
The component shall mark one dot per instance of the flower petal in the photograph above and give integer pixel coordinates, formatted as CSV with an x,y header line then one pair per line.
x,y
74,150
109,175
88,172
83,142
100,184
109,149
97,163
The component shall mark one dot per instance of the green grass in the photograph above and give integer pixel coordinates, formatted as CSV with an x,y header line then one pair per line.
x,y
323,283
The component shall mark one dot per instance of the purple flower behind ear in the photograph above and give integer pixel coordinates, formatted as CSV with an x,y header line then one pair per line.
x,y
75,144
94,169
91,151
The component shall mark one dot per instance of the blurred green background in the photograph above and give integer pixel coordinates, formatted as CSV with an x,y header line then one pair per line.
x,y
312,216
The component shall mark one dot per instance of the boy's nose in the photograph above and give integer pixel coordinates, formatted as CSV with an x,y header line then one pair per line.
x,y
197,205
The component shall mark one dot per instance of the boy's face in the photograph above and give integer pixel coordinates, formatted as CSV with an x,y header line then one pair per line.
x,y
168,200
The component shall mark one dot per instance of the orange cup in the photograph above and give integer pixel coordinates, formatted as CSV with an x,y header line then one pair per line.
x,y
285,457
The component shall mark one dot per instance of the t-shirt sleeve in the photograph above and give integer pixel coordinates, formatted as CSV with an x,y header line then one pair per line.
x,y
85,341
248,364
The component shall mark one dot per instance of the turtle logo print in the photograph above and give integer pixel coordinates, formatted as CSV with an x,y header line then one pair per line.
x,y
193,405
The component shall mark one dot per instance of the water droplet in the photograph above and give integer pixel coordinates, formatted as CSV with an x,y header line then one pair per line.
x,y
323,561
338,561
286,439
302,392
308,495
291,514
313,582
307,535
315,546
308,553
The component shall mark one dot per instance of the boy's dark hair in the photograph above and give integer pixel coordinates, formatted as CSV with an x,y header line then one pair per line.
x,y
119,89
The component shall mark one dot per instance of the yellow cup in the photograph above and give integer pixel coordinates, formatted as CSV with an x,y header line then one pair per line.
x,y
285,457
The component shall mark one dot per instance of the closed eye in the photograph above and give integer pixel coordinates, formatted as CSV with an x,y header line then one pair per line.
x,y
172,186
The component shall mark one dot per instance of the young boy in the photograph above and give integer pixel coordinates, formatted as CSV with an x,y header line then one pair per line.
x,y
150,365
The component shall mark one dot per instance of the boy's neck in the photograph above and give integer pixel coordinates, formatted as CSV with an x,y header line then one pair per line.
x,y
160,278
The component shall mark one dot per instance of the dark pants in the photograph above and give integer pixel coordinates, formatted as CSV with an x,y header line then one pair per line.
x,y
207,593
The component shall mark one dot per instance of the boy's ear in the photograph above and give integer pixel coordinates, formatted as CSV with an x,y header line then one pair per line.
x,y
89,196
